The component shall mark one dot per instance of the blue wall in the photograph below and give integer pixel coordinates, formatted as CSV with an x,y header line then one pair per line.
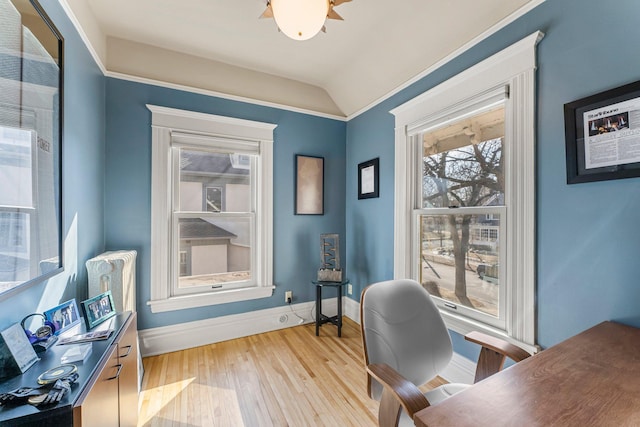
x,y
296,237
587,234
82,177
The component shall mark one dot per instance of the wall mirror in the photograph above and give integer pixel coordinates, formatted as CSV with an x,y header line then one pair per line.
x,y
31,52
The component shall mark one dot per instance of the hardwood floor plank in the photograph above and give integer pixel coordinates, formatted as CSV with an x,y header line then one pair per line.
x,y
285,378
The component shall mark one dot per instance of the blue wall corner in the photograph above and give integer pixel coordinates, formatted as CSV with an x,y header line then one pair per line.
x,y
586,233
296,237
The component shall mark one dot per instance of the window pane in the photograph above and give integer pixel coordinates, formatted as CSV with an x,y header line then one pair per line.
x,y
14,248
16,168
215,182
214,252
459,259
462,163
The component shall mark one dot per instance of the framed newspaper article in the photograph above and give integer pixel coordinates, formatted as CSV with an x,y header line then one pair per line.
x,y
602,135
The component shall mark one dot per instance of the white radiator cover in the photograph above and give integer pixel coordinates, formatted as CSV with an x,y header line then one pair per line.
x,y
114,271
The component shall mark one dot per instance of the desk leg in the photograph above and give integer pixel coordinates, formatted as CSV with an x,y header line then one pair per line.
x,y
318,308
339,311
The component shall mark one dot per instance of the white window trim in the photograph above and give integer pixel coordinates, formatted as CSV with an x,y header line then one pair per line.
x,y
514,67
164,121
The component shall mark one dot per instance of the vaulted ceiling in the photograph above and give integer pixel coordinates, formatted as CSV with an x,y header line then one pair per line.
x,y
221,46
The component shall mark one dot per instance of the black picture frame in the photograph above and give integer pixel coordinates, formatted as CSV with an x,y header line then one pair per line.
x,y
369,179
98,309
595,127
309,181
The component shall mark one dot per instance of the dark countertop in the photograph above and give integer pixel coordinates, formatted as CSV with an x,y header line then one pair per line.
x,y
24,415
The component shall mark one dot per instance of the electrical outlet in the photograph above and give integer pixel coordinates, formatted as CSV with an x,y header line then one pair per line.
x,y
288,297
350,289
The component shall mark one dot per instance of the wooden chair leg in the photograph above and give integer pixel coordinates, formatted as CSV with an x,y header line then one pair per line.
x,y
389,411
489,363
494,353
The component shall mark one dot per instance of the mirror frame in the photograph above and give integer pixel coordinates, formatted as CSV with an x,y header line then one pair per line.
x,y
57,139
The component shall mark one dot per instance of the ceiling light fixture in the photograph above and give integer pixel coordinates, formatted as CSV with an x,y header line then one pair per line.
x,y
301,20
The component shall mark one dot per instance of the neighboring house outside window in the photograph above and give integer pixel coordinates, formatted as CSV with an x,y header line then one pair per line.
x,y
211,209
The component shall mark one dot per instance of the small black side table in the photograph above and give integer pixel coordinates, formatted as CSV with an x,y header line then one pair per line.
x,y
321,318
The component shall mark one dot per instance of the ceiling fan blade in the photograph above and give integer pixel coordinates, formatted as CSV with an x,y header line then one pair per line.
x,y
334,15
268,12
339,2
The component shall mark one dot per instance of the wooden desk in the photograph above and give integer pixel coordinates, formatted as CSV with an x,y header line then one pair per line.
x,y
591,379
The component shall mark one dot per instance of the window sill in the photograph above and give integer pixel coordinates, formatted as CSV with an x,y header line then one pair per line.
x,y
464,325
202,300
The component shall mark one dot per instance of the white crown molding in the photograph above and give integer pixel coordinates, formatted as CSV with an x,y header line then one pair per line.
x,y
494,29
121,76
503,23
208,92
512,60
83,35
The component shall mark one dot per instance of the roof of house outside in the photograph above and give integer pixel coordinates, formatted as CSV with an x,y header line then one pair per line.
x,y
199,229
200,162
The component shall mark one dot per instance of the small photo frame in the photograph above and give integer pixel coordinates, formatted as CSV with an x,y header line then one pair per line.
x,y
601,135
368,179
309,181
63,316
98,309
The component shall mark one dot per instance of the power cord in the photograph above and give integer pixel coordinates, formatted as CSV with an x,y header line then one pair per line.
x,y
302,319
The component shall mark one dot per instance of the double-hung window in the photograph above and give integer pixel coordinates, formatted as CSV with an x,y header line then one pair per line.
x,y
211,209
459,200
465,195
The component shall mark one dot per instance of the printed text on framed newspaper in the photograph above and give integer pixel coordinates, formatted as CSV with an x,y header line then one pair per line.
x,y
602,135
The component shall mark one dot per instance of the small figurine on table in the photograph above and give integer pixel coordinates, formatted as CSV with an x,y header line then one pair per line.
x,y
330,258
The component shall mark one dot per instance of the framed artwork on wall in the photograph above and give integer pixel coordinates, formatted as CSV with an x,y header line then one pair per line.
x,y
368,179
601,135
309,180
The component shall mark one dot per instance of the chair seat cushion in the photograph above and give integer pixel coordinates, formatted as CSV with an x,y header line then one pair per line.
x,y
443,392
434,397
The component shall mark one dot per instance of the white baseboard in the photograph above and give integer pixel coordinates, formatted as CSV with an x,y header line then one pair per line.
x,y
203,332
460,370
208,331
351,309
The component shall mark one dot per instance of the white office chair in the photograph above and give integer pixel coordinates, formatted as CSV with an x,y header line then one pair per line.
x,y
406,344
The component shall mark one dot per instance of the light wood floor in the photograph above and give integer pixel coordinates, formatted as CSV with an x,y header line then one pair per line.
x,y
283,378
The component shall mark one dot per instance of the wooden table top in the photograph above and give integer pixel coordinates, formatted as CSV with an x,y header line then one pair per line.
x,y
591,379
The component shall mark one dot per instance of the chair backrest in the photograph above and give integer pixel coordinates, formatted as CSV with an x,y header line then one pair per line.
x,y
401,326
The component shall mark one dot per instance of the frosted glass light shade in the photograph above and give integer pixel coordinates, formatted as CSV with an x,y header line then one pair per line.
x,y
300,19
